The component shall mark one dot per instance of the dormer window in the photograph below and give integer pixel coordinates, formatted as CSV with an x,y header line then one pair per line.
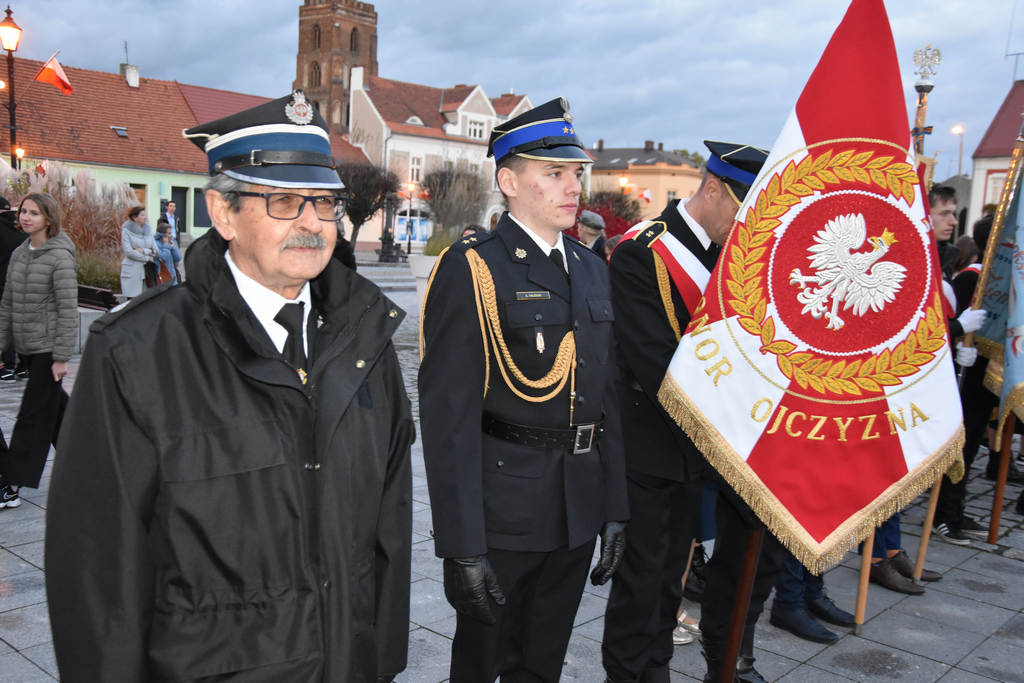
x,y
476,129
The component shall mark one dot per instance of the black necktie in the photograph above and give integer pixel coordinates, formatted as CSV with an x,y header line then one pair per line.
x,y
556,258
290,318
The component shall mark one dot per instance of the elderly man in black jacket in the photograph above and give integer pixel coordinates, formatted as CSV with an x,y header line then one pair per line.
x,y
231,499
520,422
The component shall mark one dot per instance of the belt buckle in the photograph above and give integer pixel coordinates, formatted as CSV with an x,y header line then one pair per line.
x,y
584,439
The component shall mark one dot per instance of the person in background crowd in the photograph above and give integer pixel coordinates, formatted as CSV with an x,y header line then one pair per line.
x,y
139,248
172,219
39,316
167,250
609,246
472,230
590,227
10,239
799,597
248,515
524,473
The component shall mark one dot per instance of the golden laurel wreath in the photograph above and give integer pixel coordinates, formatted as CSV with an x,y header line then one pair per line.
x,y
746,284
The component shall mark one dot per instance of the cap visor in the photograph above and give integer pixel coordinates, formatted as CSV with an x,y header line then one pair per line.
x,y
562,153
292,176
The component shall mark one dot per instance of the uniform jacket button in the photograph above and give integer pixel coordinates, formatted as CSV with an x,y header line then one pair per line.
x,y
501,463
360,364
581,363
575,324
579,399
538,316
326,585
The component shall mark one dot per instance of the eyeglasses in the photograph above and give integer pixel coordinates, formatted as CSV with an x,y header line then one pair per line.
x,y
288,206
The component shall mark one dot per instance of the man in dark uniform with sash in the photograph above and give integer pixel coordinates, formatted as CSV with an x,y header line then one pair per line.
x,y
658,273
520,424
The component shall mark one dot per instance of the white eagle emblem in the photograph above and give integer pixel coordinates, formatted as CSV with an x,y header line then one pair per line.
x,y
859,281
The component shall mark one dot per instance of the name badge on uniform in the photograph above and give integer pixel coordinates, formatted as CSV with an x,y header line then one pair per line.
x,y
532,296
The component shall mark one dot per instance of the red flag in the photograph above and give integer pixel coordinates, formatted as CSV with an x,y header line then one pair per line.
x,y
816,374
53,73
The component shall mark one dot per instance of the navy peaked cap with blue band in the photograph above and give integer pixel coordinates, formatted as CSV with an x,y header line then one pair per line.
x,y
281,143
736,165
546,133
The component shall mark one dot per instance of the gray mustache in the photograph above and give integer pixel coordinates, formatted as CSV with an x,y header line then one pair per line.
x,y
306,241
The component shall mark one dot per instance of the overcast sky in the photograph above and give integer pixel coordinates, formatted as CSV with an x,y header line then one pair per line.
x,y
673,71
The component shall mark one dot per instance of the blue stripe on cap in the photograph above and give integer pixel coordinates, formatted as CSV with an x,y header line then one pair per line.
x,y
536,131
719,167
303,142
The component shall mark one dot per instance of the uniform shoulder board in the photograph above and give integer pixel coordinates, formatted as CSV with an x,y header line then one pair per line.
x,y
651,233
464,244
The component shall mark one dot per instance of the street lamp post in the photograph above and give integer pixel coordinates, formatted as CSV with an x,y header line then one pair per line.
x,y
958,130
623,181
408,219
10,36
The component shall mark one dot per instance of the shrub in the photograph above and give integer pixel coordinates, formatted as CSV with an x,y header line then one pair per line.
x,y
438,242
100,269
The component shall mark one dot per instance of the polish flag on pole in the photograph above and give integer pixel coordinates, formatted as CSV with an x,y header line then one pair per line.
x,y
53,73
816,374
647,196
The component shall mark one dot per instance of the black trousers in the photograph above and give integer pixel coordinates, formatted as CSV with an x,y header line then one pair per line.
x,y
646,589
978,403
734,522
529,640
39,418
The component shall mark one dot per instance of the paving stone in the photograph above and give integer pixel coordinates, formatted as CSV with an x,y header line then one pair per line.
x,y
934,639
776,640
591,607
582,660
998,659
25,626
805,673
422,523
427,603
424,562
1012,631
961,676
30,552
42,655
963,613
865,660
1014,539
1014,554
31,527
429,658
999,591
14,668
688,661
11,564
22,590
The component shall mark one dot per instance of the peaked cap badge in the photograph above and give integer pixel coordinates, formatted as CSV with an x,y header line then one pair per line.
x,y
299,110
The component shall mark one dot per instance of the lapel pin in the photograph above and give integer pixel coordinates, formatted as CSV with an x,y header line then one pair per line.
x,y
520,252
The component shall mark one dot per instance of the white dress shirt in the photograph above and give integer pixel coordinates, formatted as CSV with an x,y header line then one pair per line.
x,y
544,246
265,304
696,228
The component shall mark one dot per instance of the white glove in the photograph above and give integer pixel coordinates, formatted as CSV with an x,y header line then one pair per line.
x,y
972,319
965,355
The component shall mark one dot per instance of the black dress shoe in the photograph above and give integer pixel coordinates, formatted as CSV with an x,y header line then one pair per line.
x,y
802,625
746,673
886,575
905,566
827,610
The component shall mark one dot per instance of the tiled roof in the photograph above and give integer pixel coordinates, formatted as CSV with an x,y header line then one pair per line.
x,y
397,102
210,104
345,152
77,127
506,103
1001,135
624,157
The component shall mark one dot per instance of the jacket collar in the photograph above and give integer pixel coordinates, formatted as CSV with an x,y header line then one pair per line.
x,y
679,228
523,250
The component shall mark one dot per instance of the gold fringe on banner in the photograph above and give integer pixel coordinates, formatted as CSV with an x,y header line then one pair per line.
x,y
817,557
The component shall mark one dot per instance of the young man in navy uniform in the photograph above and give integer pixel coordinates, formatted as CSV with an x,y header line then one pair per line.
x,y
665,470
520,423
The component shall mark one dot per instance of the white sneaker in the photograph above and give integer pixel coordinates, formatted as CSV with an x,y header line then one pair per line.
x,y
9,497
680,636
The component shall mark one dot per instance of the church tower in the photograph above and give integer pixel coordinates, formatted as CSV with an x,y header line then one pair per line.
x,y
334,37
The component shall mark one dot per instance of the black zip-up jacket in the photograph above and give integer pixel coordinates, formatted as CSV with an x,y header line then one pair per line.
x,y
211,518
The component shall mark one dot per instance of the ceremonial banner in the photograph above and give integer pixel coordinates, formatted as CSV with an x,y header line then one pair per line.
x,y
816,375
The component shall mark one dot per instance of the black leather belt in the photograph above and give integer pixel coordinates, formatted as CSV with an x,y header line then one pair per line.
x,y
579,438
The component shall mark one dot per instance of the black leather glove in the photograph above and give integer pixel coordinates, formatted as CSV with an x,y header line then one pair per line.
x,y
613,545
468,581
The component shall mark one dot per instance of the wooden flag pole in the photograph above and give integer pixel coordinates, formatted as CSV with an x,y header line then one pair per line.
x,y
926,531
1006,452
862,584
742,604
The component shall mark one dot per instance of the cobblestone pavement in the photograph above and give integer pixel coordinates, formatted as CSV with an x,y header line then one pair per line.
x,y
968,627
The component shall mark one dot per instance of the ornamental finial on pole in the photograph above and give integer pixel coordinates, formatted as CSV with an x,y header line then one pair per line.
x,y
926,59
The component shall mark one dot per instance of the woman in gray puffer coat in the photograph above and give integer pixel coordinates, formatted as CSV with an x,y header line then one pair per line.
x,y
39,315
139,248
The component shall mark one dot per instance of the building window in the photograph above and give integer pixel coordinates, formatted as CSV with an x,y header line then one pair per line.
x,y
353,40
448,165
671,195
476,129
316,36
314,76
415,169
